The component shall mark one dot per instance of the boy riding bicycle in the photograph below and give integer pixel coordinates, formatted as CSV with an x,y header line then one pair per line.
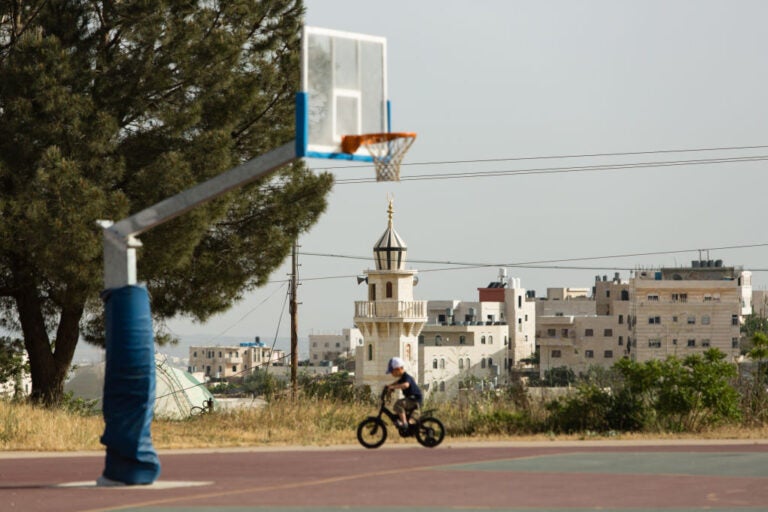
x,y
412,396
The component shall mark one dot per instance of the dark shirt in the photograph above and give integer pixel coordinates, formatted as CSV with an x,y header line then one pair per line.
x,y
412,391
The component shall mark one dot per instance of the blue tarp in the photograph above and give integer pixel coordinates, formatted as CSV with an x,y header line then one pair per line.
x,y
129,387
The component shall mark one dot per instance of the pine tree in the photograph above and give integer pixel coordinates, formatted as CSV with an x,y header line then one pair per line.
x,y
106,108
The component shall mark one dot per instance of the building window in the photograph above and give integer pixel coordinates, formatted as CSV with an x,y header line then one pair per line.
x,y
556,354
589,354
468,365
654,320
370,352
705,343
482,363
691,320
434,364
734,319
621,340
608,354
551,333
705,320
564,333
653,298
589,332
490,340
234,369
389,290
679,297
442,364
442,385
674,341
734,342
462,340
421,339
692,343
438,340
194,354
674,319
372,291
621,319
607,293
506,341
461,364
482,340
608,333
654,343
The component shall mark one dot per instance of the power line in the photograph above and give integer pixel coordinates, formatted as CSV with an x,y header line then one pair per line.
x,y
561,170
559,260
557,157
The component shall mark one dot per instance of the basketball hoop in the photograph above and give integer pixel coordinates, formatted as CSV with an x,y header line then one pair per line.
x,y
386,149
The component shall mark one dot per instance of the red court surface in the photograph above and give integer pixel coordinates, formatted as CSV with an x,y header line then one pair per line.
x,y
515,476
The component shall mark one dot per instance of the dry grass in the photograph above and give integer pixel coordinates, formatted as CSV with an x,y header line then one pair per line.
x,y
285,423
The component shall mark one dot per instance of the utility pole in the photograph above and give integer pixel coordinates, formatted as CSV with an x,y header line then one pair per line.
x,y
294,320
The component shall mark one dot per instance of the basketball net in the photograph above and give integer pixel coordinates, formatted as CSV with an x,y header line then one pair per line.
x,y
386,149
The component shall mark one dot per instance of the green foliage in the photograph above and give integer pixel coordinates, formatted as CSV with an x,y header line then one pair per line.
x,y
80,406
109,108
12,363
559,376
335,386
754,324
264,384
675,394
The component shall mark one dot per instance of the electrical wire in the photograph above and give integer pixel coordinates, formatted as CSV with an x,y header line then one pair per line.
x,y
556,157
562,170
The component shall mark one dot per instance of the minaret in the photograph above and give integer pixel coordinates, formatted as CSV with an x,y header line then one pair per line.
x,y
390,320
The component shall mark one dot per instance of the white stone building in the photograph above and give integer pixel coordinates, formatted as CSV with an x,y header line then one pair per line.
x,y
329,347
657,313
229,362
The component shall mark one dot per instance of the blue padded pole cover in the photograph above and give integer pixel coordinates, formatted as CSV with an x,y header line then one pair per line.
x,y
129,387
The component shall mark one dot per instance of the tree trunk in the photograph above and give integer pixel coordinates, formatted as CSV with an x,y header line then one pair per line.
x,y
49,362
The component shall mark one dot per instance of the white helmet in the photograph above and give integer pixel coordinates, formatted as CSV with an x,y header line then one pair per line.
x,y
395,362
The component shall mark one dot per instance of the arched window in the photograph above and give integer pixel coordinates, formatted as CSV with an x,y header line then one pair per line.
x,y
438,339
434,364
467,364
490,340
421,339
490,362
407,351
370,352
482,363
482,340
442,364
442,385
389,289
461,364
462,340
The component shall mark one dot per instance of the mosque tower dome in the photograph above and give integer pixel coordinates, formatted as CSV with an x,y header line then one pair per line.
x,y
390,251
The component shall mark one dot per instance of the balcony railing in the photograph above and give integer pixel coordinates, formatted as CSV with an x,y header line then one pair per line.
x,y
391,309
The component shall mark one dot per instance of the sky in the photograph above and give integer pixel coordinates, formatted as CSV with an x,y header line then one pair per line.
x,y
502,85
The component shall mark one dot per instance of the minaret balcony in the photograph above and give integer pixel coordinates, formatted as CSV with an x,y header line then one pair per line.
x,y
391,309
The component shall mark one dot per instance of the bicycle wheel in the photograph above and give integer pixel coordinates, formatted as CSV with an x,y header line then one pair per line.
x,y
196,411
430,432
371,432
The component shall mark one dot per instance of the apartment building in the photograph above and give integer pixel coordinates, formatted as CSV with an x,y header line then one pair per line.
x,y
456,356
681,311
329,347
232,362
657,313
